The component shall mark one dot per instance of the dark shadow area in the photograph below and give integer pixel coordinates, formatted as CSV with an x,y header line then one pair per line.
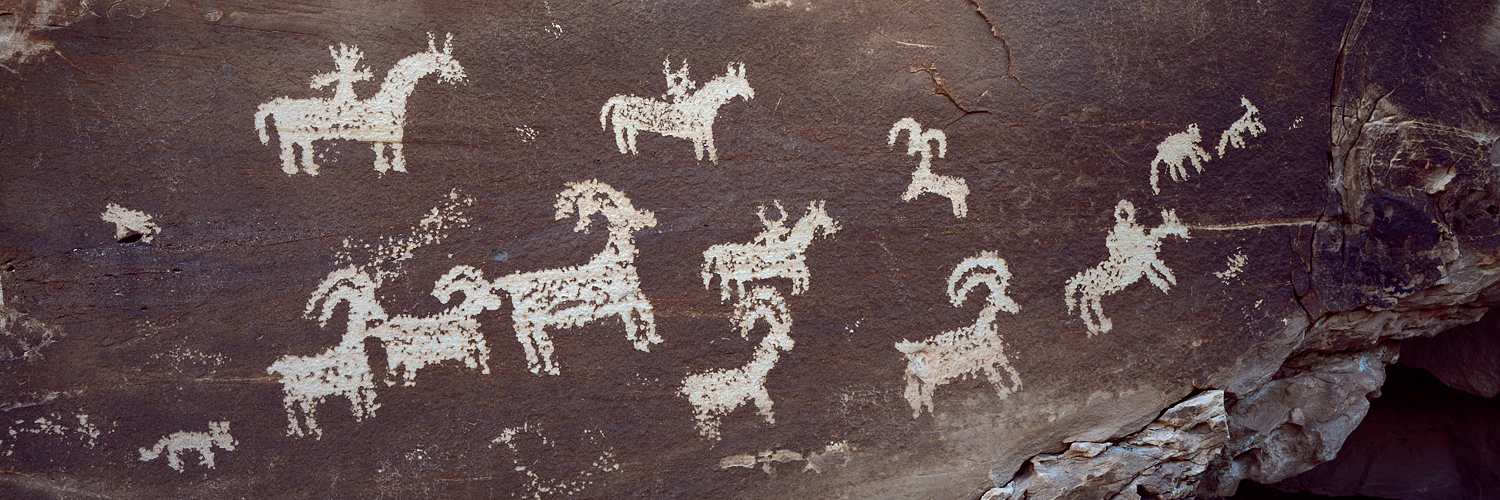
x,y
1421,440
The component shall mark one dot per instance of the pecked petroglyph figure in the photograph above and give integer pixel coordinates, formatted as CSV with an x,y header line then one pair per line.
x,y
342,370
573,296
716,393
923,180
180,442
1132,255
411,342
777,252
687,115
1175,152
969,350
379,120
1248,123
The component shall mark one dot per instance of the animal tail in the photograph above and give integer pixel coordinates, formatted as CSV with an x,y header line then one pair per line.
x,y
260,124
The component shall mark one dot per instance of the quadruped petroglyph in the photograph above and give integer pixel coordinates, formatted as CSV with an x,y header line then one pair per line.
x,y
718,392
777,252
685,114
1132,255
379,120
1249,123
179,442
606,286
1179,149
1175,152
411,342
921,143
969,350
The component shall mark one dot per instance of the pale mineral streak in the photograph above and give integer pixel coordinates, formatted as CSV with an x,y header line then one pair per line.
x,y
175,445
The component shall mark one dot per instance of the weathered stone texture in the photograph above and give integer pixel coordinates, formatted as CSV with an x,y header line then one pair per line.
x,y
682,249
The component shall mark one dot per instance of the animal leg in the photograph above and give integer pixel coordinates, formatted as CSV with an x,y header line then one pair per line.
x,y
288,157
544,349
309,160
1104,324
523,335
620,136
644,320
698,150
763,403
380,164
630,139
398,159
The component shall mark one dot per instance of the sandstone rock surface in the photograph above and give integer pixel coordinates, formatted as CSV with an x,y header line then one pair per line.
x,y
729,249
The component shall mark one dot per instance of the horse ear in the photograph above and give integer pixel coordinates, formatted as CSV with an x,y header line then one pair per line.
x,y
448,44
431,43
742,70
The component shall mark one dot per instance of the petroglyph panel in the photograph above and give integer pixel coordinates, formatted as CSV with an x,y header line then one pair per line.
x,y
536,292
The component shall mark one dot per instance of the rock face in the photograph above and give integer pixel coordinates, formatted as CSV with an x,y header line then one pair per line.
x,y
1163,461
1421,440
739,249
1466,357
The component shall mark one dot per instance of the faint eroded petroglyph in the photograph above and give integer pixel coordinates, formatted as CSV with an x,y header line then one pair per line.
x,y
411,343
1236,265
685,114
86,433
836,454
920,142
1175,152
130,224
21,336
1132,255
175,445
606,286
777,252
1249,123
969,350
716,393
379,120
531,449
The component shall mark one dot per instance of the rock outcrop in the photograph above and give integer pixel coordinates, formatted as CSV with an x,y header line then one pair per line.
x,y
1128,250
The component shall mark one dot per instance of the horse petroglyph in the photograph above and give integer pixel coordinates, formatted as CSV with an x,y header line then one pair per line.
x,y
379,120
1248,123
716,393
174,445
1175,152
969,350
923,180
1132,255
687,115
777,252
411,343
573,296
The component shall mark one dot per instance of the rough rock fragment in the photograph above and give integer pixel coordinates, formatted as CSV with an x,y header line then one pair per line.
x,y
1301,418
1163,461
